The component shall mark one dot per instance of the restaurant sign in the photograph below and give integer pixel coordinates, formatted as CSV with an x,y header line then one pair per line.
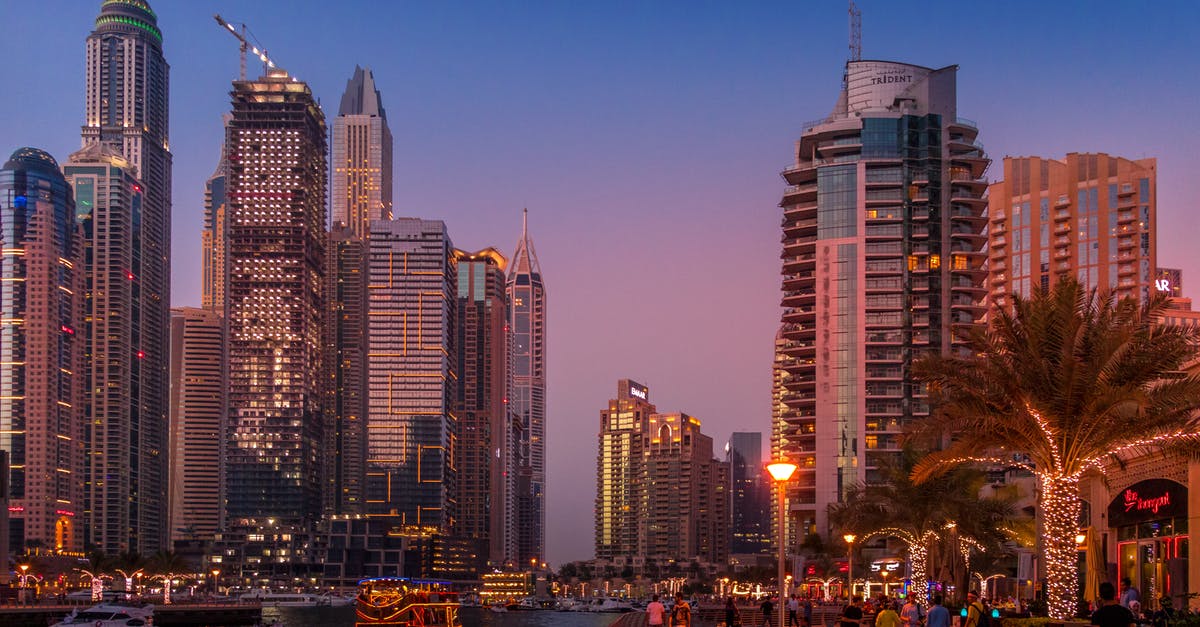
x,y
1153,499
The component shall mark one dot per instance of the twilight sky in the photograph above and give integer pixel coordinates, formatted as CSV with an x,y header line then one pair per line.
x,y
646,140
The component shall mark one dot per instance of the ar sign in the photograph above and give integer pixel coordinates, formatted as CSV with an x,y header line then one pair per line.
x,y
1162,285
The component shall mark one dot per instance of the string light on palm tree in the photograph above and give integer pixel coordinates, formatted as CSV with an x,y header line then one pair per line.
x,y
1066,383
96,581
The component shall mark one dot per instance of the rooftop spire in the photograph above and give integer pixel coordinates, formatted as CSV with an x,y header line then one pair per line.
x,y
525,258
361,97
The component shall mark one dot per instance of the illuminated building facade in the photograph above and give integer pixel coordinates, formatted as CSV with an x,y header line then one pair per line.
x,y
213,240
750,530
362,156
346,439
485,453
41,353
618,478
883,235
275,306
197,404
411,427
126,105
526,293
1091,216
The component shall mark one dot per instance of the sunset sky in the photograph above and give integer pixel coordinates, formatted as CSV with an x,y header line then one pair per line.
x,y
646,140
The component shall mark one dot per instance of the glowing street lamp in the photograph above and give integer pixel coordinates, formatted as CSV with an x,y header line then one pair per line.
x,y
781,471
850,538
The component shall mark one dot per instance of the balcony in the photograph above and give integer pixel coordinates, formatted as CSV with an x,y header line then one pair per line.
x,y
1062,201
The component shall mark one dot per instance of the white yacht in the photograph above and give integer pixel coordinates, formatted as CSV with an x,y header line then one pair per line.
x,y
284,599
110,615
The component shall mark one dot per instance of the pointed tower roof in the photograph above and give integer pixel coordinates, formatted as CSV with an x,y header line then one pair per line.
x,y
361,97
524,259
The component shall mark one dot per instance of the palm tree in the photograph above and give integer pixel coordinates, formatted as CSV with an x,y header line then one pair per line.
x,y
922,516
1064,383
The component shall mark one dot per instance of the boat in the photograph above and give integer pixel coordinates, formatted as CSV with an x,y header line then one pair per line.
x,y
613,605
338,600
284,599
110,615
404,602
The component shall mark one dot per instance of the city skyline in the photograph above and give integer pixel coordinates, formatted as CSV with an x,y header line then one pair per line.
x,y
634,157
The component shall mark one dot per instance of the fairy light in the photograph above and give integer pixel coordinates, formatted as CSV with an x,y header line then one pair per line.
x,y
918,552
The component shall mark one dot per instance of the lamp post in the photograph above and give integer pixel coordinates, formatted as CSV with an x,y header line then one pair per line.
x,y
781,471
850,538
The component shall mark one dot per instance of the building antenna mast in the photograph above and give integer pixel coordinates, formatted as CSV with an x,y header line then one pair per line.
x,y
855,32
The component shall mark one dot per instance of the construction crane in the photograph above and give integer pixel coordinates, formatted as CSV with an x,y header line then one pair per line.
x,y
855,32
246,45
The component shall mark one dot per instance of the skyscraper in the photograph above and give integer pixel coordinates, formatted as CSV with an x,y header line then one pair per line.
x,y
213,239
751,495
197,405
485,456
1091,216
618,478
127,98
128,440
41,353
412,372
275,305
526,294
346,434
882,261
362,156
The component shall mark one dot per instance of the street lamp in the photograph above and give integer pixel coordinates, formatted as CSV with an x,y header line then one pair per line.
x,y
850,538
781,471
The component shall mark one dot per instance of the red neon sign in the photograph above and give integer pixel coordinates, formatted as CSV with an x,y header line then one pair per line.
x,y
1134,502
63,512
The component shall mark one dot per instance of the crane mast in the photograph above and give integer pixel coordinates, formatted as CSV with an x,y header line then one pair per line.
x,y
244,45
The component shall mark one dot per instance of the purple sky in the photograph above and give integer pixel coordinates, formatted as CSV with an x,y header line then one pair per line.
x,y
646,139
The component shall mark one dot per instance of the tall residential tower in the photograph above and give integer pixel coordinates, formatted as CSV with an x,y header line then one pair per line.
x,y
197,405
275,306
362,156
883,257
526,294
127,98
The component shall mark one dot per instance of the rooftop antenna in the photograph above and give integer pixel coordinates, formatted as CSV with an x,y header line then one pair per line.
x,y
855,32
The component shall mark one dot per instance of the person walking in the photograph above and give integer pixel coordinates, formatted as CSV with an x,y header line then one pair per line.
x,y
974,610
1111,613
808,610
887,617
732,617
793,609
681,612
938,615
655,611
852,614
1129,593
912,615
767,608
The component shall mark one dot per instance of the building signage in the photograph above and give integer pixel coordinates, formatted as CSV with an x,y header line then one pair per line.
x,y
1162,285
638,392
891,78
1153,499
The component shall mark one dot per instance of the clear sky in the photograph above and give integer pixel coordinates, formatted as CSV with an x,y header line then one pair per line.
x,y
646,140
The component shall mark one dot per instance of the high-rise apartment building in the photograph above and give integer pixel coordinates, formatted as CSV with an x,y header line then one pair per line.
x,y
1091,216
485,454
750,530
346,434
41,354
197,406
275,300
411,365
362,156
128,450
213,239
883,238
126,105
683,504
623,425
526,294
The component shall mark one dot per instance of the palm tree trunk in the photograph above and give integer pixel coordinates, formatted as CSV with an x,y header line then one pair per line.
x,y
1060,509
918,555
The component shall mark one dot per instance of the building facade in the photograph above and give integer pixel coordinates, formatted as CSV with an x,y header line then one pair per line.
x,y
362,156
275,307
883,259
126,105
750,529
197,405
411,365
1091,216
526,294
41,354
213,239
618,480
346,435
485,455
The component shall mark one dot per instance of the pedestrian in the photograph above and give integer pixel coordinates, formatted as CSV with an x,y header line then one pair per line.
x,y
732,617
938,615
681,612
793,607
1111,613
1129,593
655,611
852,614
912,615
887,617
767,607
808,610
974,610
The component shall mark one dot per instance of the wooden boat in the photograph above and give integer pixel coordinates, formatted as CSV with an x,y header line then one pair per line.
x,y
403,602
